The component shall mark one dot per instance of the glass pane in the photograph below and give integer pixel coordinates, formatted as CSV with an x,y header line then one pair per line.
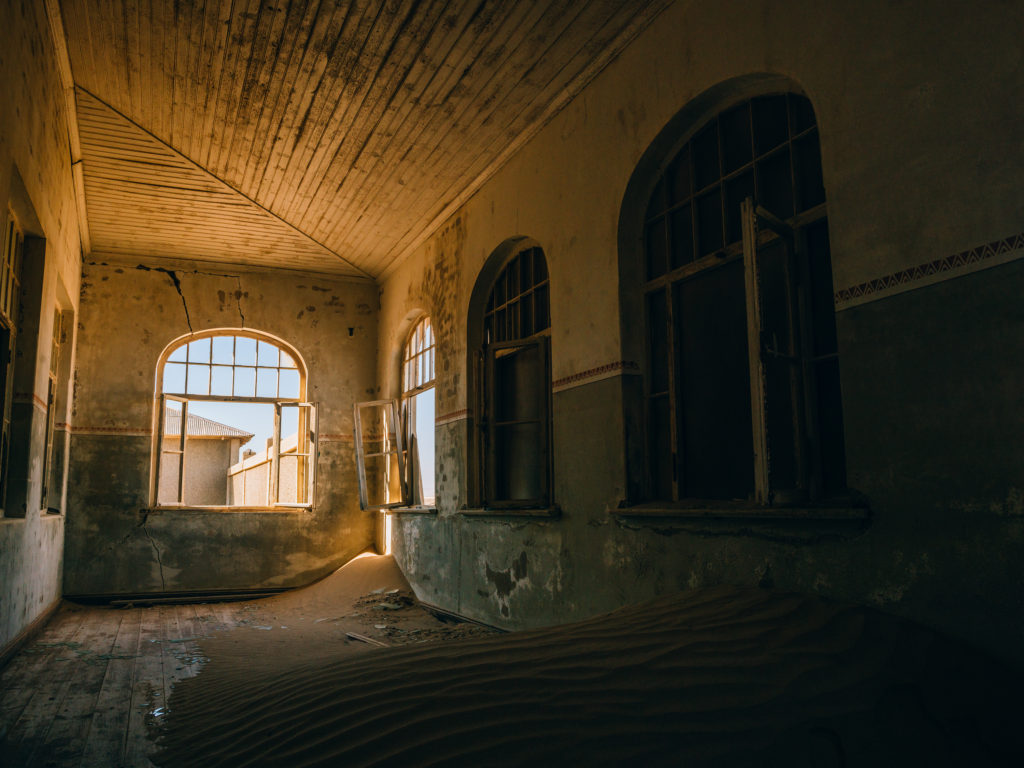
x,y
516,375
430,364
429,330
198,379
424,432
801,113
771,127
222,380
526,270
709,223
512,270
245,351
500,333
540,266
657,344
542,318
656,249
682,236
656,205
775,185
525,316
736,146
705,157
289,383
736,191
199,351
289,426
223,349
290,485
514,312
178,355
268,356
266,382
286,360
810,187
680,184
245,382
659,446
517,456
174,378
500,291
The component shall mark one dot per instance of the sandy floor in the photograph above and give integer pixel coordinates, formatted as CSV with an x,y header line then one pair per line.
x,y
715,677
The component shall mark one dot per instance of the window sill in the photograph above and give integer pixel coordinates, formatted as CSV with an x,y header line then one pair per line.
x,y
228,510
412,511
745,511
550,512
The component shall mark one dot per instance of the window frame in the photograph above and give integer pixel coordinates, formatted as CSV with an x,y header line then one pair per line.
x,y
417,379
12,261
508,271
308,427
757,226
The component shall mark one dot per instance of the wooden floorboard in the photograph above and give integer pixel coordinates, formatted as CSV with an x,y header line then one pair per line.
x,y
88,691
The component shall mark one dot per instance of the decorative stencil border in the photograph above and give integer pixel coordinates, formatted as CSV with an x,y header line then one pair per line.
x,y
981,257
120,431
617,368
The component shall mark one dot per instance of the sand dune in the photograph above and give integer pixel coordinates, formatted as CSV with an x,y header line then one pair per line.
x,y
715,677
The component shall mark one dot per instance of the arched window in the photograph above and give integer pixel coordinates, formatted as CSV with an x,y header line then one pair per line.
x,y
742,393
418,409
249,438
513,380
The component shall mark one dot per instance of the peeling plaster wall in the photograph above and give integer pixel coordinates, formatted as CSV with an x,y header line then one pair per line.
x,y
918,108
130,313
35,179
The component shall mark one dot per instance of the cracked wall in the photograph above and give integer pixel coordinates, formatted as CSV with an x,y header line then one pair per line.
x,y
116,543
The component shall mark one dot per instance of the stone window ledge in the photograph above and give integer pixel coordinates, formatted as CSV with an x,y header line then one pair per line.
x,y
286,510
844,511
418,510
550,512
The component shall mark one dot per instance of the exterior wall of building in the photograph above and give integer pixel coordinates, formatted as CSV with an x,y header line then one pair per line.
x,y
206,471
36,182
130,312
923,168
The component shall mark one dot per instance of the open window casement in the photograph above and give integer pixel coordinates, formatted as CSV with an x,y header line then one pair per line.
x,y
380,455
516,423
293,476
173,454
781,364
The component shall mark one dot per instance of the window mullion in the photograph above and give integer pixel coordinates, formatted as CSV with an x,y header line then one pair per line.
x,y
754,326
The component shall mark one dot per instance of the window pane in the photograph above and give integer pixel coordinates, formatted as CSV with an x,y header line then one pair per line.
x,y
736,147
174,378
289,383
268,356
499,326
500,292
516,373
223,349
512,270
775,185
657,345
771,127
198,379
659,440
682,236
526,316
514,311
540,266
286,360
542,318
810,188
245,382
736,191
680,183
289,425
525,270
518,451
245,351
656,249
705,157
199,351
266,382
178,355
801,113
222,380
656,205
709,223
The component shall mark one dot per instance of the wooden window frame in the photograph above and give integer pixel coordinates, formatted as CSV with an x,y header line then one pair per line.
x,y
307,427
417,372
11,262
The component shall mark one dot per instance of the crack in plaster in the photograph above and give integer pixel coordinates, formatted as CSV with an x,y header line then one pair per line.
x,y
156,549
177,286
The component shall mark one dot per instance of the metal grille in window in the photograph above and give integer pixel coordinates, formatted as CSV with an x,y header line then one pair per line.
x,y
232,366
518,305
418,359
766,148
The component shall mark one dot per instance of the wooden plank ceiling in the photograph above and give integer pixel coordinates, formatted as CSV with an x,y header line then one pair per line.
x,y
327,136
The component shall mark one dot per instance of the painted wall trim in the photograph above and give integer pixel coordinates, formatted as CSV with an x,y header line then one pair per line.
x,y
607,371
448,418
974,259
